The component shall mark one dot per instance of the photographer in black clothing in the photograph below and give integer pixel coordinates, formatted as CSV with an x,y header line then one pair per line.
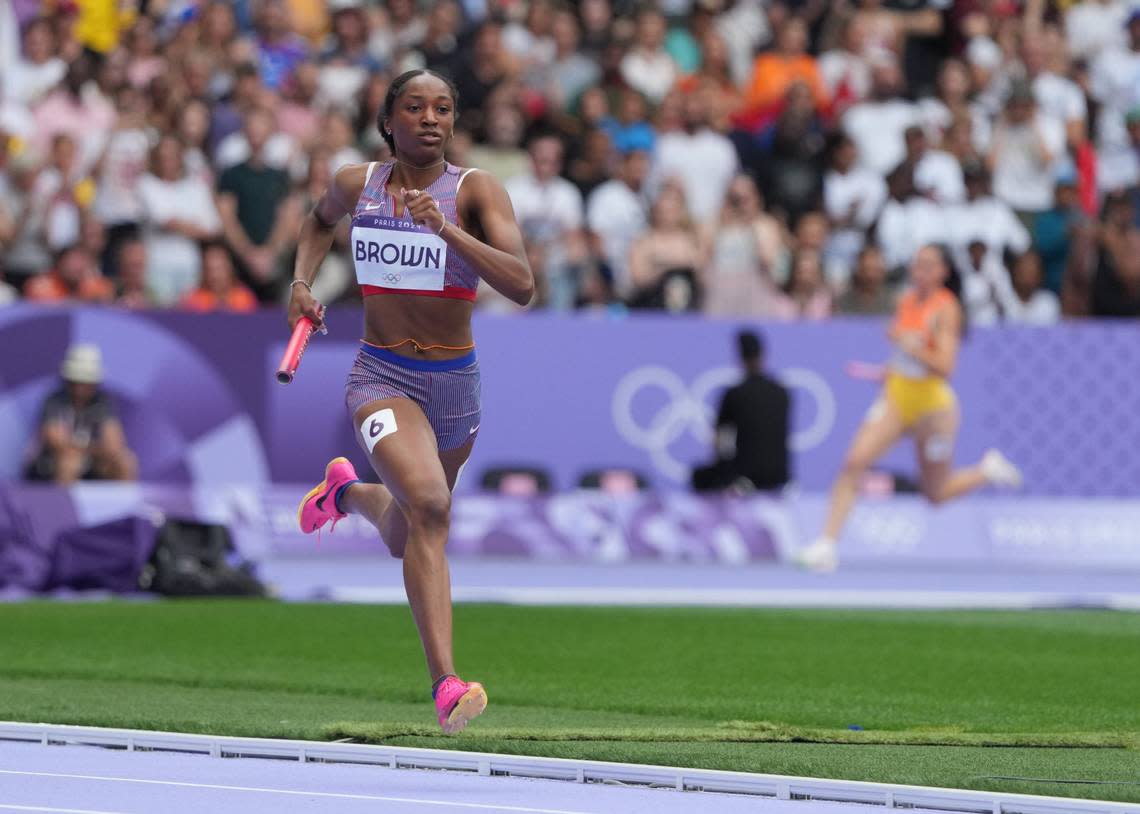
x,y
751,429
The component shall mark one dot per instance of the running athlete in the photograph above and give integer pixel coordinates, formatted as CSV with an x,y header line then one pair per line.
x,y
916,400
423,234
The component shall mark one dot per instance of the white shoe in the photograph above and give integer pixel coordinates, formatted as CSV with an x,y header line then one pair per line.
x,y
822,556
1000,470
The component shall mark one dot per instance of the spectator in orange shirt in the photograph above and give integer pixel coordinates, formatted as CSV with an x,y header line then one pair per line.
x,y
219,289
775,71
75,276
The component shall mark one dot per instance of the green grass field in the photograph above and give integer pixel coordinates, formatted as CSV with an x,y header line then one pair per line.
x,y
956,699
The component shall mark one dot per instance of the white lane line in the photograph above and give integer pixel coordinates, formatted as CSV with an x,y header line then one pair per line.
x,y
333,795
55,810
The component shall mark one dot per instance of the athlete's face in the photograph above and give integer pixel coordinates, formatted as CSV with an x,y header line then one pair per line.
x,y
422,118
927,270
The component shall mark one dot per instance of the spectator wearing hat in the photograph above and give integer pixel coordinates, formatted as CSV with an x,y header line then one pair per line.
x,y
751,428
80,436
1024,153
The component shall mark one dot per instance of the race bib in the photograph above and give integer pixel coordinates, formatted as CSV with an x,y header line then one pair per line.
x,y
396,254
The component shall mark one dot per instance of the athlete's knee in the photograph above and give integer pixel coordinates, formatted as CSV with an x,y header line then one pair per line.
x,y
935,493
854,465
429,507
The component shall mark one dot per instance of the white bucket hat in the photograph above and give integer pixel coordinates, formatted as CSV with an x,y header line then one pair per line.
x,y
83,364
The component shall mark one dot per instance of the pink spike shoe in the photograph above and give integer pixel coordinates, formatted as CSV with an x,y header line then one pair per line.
x,y
458,702
319,505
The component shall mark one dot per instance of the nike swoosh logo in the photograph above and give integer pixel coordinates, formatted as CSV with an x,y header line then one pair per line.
x,y
321,499
372,206
474,430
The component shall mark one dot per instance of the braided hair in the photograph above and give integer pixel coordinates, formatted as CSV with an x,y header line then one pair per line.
x,y
397,87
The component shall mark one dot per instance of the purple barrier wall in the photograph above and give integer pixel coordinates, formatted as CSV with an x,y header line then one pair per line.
x,y
1075,535
574,392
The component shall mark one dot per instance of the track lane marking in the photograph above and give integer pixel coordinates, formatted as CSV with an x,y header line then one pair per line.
x,y
329,794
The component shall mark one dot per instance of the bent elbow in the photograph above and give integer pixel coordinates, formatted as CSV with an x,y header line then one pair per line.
x,y
525,295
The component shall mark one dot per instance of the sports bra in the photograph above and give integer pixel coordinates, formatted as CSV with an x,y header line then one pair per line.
x,y
393,255
914,317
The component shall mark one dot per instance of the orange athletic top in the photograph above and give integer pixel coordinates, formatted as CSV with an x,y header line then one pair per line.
x,y
917,317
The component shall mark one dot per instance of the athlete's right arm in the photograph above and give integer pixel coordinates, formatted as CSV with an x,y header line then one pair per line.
x,y
316,238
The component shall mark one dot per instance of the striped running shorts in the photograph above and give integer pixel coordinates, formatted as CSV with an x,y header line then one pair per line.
x,y
448,391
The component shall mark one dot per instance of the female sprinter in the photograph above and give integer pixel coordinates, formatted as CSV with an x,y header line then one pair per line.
x,y
423,233
916,399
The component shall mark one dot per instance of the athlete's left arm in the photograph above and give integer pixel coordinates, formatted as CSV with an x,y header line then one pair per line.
x,y
501,261
941,355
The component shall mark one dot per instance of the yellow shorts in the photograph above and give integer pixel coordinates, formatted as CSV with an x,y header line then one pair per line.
x,y
915,399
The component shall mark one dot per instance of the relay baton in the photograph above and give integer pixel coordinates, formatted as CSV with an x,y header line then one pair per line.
x,y
291,359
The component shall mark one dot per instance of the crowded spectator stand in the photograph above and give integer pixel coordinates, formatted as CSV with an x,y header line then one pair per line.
x,y
735,157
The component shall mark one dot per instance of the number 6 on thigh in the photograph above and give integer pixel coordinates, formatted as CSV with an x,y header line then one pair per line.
x,y
377,425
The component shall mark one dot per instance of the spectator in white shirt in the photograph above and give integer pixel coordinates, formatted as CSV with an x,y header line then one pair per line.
x,y
1095,26
986,292
180,214
1027,144
648,67
1056,95
744,27
550,211
845,70
1115,81
909,221
940,113
1032,304
33,77
937,174
983,217
852,199
616,216
877,125
704,161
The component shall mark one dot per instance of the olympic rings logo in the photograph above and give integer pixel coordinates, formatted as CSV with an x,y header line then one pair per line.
x,y
689,410
392,278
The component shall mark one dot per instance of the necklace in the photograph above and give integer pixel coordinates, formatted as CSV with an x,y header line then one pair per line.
x,y
418,166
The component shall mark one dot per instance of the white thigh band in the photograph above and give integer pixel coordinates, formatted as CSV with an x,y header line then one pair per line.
x,y
376,426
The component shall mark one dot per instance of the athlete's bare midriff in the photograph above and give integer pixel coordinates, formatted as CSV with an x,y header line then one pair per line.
x,y
393,318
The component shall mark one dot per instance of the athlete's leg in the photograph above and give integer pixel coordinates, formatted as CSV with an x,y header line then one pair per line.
x,y
934,440
880,431
375,503
408,461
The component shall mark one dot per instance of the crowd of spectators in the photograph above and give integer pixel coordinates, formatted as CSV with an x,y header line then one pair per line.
x,y
763,158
